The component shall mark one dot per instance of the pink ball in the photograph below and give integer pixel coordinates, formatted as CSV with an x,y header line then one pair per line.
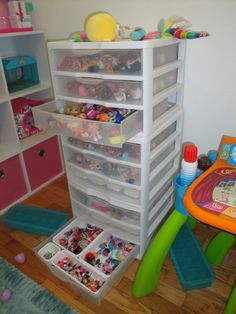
x,y
20,258
5,295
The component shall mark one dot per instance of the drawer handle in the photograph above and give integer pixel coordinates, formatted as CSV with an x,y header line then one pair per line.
x,y
41,152
2,174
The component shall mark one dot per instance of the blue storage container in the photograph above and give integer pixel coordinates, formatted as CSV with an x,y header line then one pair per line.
x,y
190,262
34,219
21,72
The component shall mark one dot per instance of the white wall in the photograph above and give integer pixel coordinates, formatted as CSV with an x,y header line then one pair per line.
x,y
210,89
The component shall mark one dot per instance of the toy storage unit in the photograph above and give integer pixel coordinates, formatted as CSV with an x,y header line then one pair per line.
x,y
119,177
29,157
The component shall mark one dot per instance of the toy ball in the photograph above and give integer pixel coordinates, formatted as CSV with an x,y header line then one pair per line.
x,y
79,37
20,258
5,295
100,27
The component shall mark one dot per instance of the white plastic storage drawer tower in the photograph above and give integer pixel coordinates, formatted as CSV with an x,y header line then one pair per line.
x,y
120,173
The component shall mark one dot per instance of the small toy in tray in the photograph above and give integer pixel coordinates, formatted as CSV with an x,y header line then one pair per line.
x,y
107,256
79,273
76,238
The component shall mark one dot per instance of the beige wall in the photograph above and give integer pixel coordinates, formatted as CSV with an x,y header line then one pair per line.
x,y
210,89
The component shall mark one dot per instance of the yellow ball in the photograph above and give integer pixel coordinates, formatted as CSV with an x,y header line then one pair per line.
x,y
100,27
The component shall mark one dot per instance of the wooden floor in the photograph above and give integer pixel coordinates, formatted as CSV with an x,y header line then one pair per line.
x,y
168,297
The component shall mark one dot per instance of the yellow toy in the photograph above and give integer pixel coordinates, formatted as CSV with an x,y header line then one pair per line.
x,y
100,26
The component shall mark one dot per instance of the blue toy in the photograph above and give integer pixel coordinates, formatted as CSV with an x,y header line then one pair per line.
x,y
21,72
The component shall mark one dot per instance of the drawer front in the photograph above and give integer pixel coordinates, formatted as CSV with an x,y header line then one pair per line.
x,y
43,162
129,152
59,253
114,226
47,117
103,167
99,90
118,194
91,61
12,182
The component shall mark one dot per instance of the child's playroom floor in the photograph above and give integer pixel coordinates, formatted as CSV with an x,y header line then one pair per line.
x,y
168,297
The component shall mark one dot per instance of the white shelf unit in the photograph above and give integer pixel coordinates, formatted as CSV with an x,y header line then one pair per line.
x,y
123,186
21,181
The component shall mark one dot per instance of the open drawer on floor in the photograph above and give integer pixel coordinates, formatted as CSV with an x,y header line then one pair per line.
x,y
51,116
87,257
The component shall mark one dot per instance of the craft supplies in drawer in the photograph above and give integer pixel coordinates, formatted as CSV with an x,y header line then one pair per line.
x,y
85,281
48,116
99,90
99,62
129,152
76,236
107,254
78,270
103,167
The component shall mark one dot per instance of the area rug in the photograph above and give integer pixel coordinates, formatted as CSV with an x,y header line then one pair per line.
x,y
27,297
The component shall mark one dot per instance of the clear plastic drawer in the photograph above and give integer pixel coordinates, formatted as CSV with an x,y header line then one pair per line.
x,y
162,106
48,117
164,81
120,192
99,90
129,152
97,61
103,167
120,195
164,55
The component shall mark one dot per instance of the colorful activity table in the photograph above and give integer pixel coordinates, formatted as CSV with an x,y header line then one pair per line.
x,y
211,199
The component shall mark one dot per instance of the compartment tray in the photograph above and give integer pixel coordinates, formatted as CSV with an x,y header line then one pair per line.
x,y
34,219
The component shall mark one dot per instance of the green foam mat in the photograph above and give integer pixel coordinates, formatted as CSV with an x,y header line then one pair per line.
x,y
34,219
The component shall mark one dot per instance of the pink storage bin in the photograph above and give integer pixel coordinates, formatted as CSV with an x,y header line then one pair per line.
x,y
4,15
43,162
12,182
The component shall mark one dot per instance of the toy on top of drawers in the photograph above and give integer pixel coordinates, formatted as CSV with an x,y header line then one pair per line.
x,y
21,72
128,61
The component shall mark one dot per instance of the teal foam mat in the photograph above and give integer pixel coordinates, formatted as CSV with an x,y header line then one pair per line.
x,y
34,219
190,262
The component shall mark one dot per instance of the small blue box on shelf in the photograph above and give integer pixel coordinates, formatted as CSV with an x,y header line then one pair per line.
x,y
21,72
34,219
190,262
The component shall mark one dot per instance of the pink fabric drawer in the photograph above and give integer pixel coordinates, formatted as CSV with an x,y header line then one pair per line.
x,y
12,182
43,162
